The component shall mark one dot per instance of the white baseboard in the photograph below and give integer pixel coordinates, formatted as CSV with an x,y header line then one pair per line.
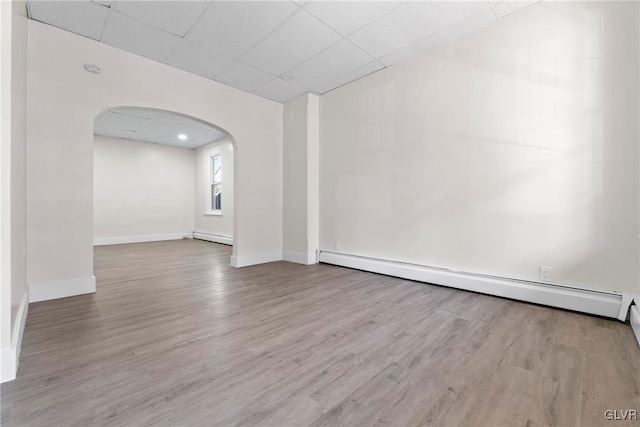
x,y
583,300
299,257
253,259
10,357
9,367
119,240
216,238
635,321
62,289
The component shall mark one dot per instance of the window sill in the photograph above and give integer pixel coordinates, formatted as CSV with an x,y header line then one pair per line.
x,y
213,213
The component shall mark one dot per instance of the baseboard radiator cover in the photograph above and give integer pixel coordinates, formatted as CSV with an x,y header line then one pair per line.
x,y
216,238
600,303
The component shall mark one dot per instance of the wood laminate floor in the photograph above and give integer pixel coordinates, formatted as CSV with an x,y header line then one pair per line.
x,y
174,336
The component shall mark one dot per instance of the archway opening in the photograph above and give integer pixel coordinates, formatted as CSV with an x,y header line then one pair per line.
x,y
162,175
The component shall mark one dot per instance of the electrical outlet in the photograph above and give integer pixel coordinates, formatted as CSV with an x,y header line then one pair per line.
x,y
336,246
545,273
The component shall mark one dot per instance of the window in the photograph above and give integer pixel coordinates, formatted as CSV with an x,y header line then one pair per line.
x,y
216,183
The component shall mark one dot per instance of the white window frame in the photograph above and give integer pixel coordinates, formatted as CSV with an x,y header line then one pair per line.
x,y
213,182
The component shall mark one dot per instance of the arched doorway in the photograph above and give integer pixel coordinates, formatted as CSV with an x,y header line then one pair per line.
x,y
162,175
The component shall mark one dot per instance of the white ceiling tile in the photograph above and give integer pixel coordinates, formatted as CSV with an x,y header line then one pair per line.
x,y
162,128
244,77
233,27
138,112
460,29
280,90
118,133
246,43
292,43
504,8
124,121
333,62
411,22
356,74
86,18
405,53
197,60
348,16
173,16
133,36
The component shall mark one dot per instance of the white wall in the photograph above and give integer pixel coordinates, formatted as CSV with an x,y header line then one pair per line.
x,y
18,157
141,190
5,174
511,148
294,182
62,103
13,48
300,215
205,221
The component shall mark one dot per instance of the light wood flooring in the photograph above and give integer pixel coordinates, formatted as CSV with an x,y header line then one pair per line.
x,y
174,336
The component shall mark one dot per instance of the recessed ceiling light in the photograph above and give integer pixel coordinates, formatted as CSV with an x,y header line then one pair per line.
x,y
92,68
182,137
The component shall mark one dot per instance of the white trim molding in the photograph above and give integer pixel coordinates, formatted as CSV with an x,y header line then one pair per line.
x,y
634,318
119,240
62,289
10,357
583,300
253,259
216,238
299,257
625,305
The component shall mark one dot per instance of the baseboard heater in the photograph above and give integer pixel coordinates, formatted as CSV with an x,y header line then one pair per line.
x,y
216,238
607,304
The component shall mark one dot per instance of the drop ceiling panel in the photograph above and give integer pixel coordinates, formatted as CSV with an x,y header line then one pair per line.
x,y
244,77
360,72
119,133
233,27
138,112
504,8
136,37
461,28
331,63
275,49
280,90
197,60
411,22
152,126
175,17
125,122
85,18
292,43
349,16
